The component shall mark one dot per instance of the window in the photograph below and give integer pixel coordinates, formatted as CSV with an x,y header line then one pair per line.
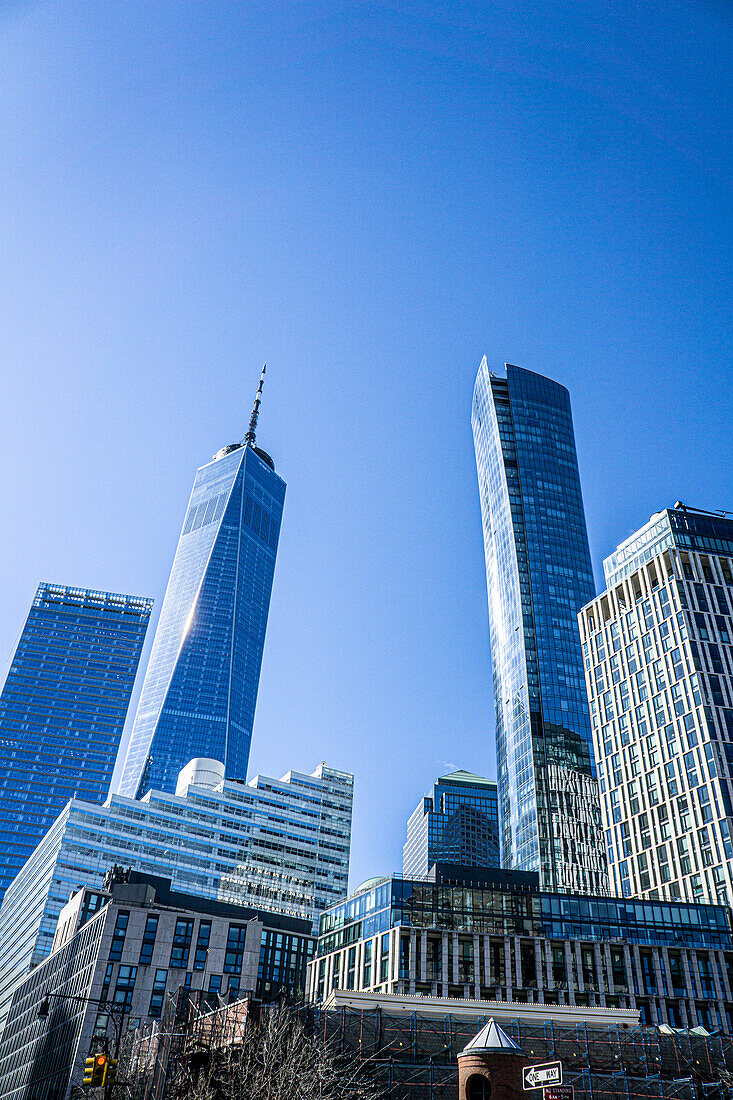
x,y
148,944
716,691
671,778
663,864
125,987
158,995
351,965
624,696
700,597
118,936
641,688
233,983
615,763
631,660
684,856
623,729
202,945
368,964
634,760
589,966
211,1000
633,791
618,969
478,1087
181,944
559,975
235,948
106,983
384,961
678,669
658,676
691,768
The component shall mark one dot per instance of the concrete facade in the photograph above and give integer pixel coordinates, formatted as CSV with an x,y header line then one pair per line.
x,y
658,657
118,954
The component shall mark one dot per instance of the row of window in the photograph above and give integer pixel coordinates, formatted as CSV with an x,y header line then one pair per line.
x,y
181,944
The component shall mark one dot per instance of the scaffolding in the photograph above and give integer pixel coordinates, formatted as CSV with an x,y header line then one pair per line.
x,y
414,1057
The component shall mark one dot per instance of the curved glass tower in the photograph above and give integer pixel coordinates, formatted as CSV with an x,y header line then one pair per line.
x,y
539,575
200,689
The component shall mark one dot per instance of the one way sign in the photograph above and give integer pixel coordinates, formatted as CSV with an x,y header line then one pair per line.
x,y
534,1077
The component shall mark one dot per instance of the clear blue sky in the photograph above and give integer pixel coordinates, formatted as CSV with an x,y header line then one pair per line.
x,y
370,197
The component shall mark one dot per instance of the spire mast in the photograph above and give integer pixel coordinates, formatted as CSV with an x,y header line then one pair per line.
x,y
250,436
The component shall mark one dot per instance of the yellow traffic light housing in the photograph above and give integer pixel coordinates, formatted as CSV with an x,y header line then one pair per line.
x,y
100,1070
88,1077
95,1070
110,1073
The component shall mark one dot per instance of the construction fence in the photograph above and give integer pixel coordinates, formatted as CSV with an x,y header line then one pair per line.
x,y
414,1057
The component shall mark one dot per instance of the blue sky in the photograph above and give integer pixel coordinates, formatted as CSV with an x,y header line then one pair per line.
x,y
369,197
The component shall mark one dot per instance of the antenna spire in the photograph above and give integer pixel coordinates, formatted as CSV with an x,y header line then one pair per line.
x,y
250,436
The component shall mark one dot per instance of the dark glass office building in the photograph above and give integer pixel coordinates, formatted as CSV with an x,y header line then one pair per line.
x,y
200,689
62,709
457,823
539,575
481,935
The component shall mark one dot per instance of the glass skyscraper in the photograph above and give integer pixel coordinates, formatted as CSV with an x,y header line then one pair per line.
x,y
458,823
539,575
279,845
200,689
62,709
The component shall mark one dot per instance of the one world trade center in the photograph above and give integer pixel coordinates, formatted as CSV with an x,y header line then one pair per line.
x,y
200,689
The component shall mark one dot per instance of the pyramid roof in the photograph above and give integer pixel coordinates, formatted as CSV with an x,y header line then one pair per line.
x,y
468,778
492,1037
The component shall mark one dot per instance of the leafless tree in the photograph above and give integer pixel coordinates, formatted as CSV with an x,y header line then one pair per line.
x,y
276,1060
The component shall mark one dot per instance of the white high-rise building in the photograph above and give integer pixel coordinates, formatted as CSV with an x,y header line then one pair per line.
x,y
280,845
659,674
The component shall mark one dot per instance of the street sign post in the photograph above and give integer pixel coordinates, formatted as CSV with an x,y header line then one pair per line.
x,y
535,1077
559,1092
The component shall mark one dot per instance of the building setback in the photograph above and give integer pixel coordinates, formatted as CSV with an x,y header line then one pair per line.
x,y
659,675
280,845
62,709
200,688
538,575
494,936
458,822
130,946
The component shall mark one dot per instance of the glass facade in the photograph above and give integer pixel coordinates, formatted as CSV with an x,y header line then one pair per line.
x,y
457,823
62,709
501,910
275,845
539,575
200,689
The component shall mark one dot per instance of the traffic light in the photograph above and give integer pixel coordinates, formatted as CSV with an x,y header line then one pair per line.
x,y
110,1073
95,1070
